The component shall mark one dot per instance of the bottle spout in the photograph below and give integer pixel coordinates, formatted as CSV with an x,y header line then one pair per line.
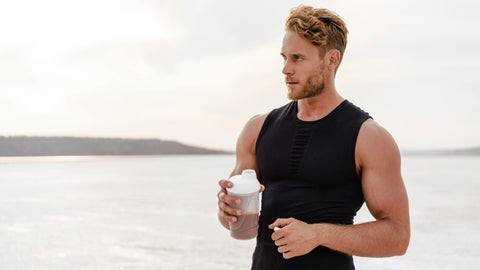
x,y
249,173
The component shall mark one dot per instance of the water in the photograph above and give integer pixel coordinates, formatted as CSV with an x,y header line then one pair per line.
x,y
160,213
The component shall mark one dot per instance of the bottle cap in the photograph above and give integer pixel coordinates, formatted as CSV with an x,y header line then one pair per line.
x,y
245,183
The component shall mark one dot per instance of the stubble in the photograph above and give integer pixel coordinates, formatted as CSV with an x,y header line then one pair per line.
x,y
314,86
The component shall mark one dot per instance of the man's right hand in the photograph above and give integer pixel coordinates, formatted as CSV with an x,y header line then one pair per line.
x,y
245,159
226,212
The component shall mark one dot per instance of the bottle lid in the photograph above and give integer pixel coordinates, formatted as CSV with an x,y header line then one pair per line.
x,y
245,183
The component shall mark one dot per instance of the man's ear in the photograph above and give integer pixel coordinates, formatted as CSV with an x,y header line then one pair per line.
x,y
332,59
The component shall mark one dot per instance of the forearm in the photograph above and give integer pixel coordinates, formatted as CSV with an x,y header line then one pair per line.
x,y
381,238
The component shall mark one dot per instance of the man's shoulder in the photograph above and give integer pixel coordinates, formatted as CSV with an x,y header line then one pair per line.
x,y
371,132
374,141
256,121
375,129
248,137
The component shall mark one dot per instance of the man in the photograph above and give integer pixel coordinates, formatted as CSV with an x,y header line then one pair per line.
x,y
319,158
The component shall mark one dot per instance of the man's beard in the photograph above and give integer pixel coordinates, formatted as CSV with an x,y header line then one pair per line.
x,y
314,86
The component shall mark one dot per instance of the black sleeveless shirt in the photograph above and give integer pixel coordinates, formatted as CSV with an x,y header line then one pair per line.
x,y
308,169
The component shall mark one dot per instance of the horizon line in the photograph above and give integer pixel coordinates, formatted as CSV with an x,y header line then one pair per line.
x,y
408,151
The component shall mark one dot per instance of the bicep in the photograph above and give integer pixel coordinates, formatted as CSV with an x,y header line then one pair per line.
x,y
382,183
245,149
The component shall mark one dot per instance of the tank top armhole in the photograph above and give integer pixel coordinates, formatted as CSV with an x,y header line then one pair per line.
x,y
273,114
265,125
357,131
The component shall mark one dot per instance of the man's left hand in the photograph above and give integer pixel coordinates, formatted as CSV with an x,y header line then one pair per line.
x,y
295,238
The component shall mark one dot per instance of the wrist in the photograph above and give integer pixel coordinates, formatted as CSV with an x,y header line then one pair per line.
x,y
321,234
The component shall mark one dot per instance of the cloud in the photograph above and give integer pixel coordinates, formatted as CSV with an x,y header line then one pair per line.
x,y
196,71
15,67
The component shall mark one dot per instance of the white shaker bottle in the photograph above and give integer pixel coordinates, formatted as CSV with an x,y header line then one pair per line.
x,y
246,187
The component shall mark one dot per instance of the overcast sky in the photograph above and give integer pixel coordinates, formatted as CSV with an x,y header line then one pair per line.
x,y
196,71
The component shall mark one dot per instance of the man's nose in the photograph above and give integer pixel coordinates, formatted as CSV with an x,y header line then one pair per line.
x,y
287,68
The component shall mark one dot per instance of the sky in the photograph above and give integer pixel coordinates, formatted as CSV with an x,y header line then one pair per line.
x,y
196,71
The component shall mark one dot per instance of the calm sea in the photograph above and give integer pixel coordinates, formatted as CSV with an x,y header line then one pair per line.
x,y
160,213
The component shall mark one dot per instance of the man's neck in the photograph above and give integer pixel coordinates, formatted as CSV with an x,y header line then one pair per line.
x,y
319,106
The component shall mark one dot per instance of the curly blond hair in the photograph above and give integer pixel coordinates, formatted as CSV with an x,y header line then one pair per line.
x,y
321,27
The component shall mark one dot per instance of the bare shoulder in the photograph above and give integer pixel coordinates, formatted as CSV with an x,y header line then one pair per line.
x,y
245,150
375,145
248,136
256,122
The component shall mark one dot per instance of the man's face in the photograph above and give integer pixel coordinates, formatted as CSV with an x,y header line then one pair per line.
x,y
303,67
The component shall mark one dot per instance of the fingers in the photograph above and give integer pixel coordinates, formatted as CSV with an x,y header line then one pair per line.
x,y
231,211
281,242
282,249
262,188
227,217
281,222
224,197
225,202
227,212
225,184
280,234
285,248
290,239
283,232
288,255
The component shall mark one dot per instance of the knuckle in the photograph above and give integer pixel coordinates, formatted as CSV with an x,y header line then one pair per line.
x,y
223,183
226,198
228,209
231,200
225,208
232,211
224,216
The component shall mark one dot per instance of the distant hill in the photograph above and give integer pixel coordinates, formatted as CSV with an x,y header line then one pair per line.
x,y
474,151
81,146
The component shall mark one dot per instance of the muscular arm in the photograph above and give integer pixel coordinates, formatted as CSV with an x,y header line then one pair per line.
x,y
245,159
378,160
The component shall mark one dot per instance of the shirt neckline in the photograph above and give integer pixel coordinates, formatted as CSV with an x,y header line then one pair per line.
x,y
326,117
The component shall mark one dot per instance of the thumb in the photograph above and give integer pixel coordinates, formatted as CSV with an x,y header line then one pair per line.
x,y
281,222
